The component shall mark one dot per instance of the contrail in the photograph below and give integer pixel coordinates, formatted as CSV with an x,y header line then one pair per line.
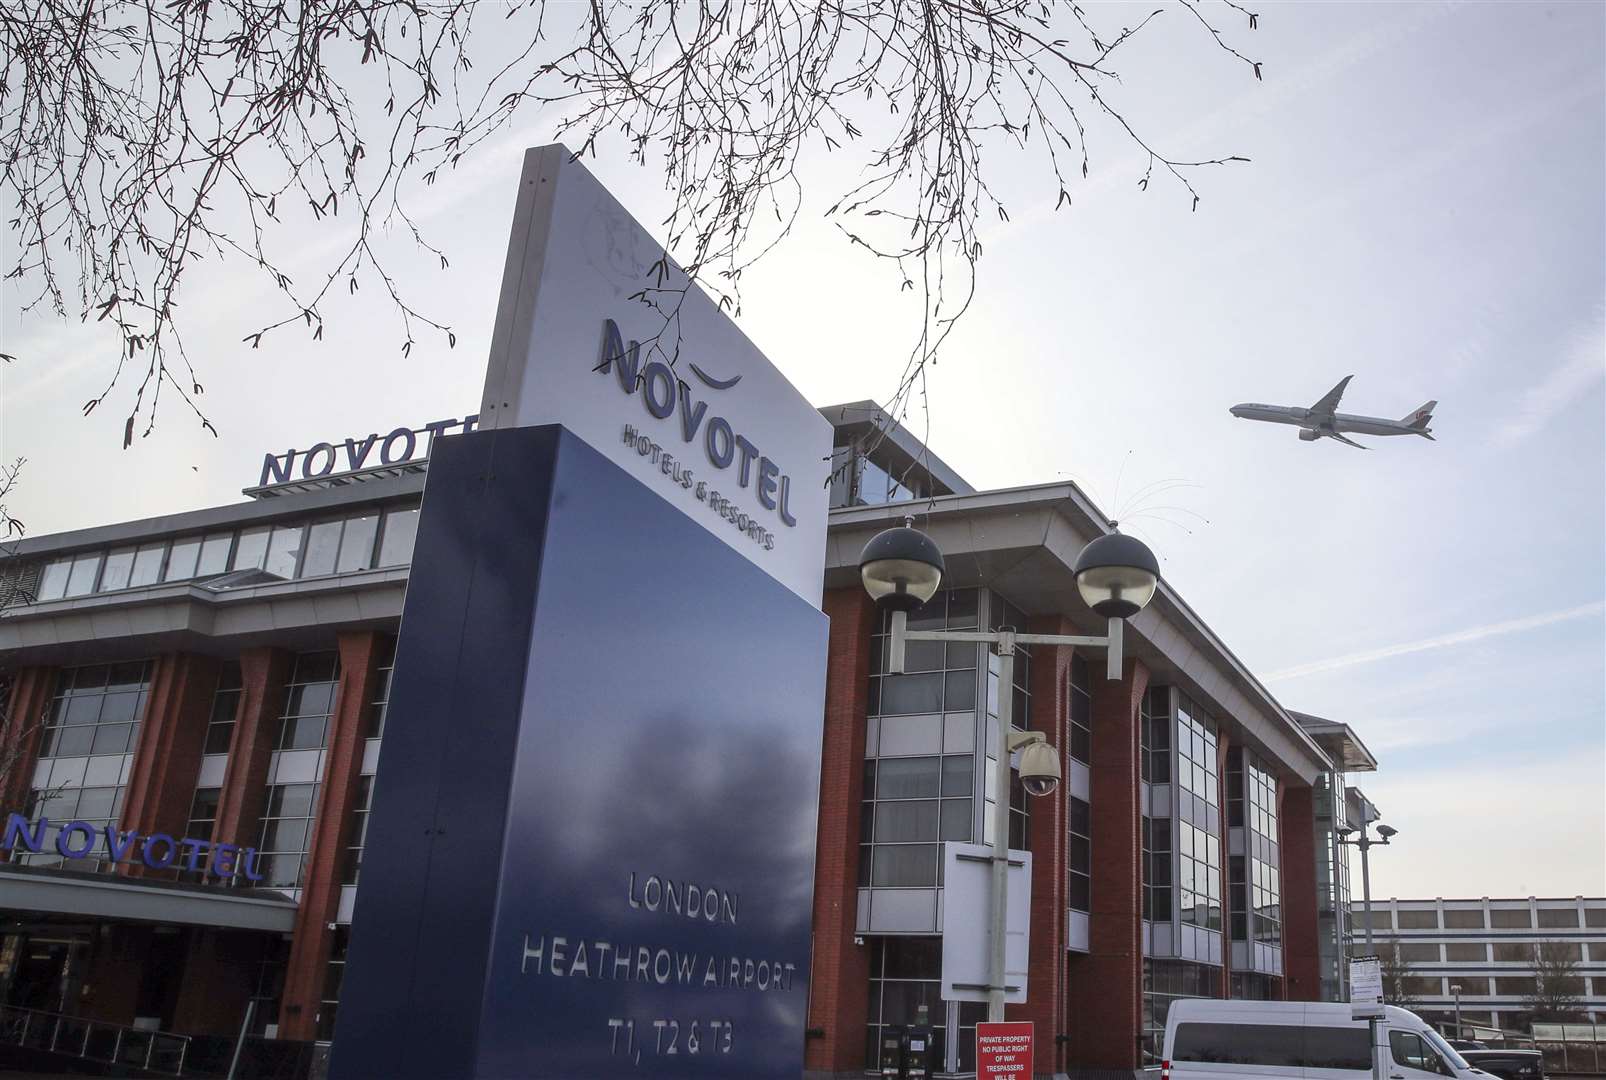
x,y
1460,637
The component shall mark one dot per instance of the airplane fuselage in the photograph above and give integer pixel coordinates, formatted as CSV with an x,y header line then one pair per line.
x,y
1309,418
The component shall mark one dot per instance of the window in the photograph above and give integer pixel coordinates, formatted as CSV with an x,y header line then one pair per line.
x,y
82,574
1595,917
1556,918
96,710
1419,953
182,558
357,544
147,564
1079,856
53,580
1421,986
1197,819
1463,918
1157,869
1081,710
1165,981
939,676
1274,1045
114,574
385,666
1513,952
1155,731
97,807
322,550
910,805
225,708
1464,952
308,701
284,550
334,976
1408,1049
250,550
1255,877
1419,920
214,558
396,543
361,803
906,974
1514,986
203,813
286,834
1511,918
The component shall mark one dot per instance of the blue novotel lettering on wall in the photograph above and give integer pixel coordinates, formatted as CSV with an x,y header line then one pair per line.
x,y
159,851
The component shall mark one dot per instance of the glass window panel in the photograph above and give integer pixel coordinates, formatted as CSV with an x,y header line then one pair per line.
x,y
214,558
1464,952
956,819
323,545
902,822
1504,918
118,566
250,552
962,656
396,545
71,742
284,550
959,694
131,676
317,667
904,865
291,800
286,835
911,694
310,699
357,544
924,656
147,564
181,559
96,802
53,582
120,708
303,733
218,737
112,738
81,578
962,610
958,774
80,710
907,778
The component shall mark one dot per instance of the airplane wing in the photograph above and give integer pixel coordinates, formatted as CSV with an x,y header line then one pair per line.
x,y
1346,442
1329,400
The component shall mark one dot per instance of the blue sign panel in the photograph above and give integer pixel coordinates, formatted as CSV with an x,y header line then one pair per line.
x,y
591,850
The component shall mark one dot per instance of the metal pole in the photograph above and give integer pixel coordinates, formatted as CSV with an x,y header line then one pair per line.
x,y
245,1025
1000,910
1456,990
1364,843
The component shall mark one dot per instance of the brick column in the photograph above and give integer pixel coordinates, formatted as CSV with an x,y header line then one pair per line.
x,y
1106,986
840,974
1045,986
263,672
331,834
161,784
1301,954
26,702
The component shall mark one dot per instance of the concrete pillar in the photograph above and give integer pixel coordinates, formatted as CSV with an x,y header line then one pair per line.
x,y
840,987
1106,986
331,836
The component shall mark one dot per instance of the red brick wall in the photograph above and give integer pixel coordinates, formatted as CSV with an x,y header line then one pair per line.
x,y
320,895
1045,989
1301,957
263,672
220,972
839,989
161,784
1106,986
31,688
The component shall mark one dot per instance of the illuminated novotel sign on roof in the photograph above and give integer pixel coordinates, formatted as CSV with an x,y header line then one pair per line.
x,y
159,851
353,454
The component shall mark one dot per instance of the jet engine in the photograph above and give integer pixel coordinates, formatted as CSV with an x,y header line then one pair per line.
x,y
1309,434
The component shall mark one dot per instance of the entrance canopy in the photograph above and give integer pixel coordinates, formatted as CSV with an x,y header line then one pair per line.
x,y
110,897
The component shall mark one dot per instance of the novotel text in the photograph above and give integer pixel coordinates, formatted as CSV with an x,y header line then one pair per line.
x,y
397,447
159,851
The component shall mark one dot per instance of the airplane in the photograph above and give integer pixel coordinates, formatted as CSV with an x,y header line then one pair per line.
x,y
1320,421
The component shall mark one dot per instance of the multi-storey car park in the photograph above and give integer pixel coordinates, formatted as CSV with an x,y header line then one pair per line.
x,y
1482,952
219,678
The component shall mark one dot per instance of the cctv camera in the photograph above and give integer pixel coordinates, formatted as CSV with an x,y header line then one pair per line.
x,y
1039,768
1387,831
1346,830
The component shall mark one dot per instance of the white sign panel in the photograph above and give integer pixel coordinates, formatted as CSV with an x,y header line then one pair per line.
x,y
1366,988
967,875
596,330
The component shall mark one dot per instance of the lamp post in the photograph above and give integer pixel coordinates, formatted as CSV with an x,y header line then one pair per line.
x,y
1366,843
1116,575
1455,988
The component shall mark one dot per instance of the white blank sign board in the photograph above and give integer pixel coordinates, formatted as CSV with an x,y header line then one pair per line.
x,y
966,918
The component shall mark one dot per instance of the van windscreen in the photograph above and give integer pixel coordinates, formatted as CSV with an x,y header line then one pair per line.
x,y
1277,1045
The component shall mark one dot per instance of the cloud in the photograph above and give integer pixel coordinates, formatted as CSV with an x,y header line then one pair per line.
x,y
1584,365
1443,641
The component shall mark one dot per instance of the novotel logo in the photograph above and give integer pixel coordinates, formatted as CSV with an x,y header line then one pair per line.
x,y
159,851
397,447
666,395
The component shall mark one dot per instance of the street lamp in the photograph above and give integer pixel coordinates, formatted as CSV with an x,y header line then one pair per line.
x,y
901,569
1366,843
1455,988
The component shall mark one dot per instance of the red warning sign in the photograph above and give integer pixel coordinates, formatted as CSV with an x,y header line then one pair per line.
x,y
1004,1051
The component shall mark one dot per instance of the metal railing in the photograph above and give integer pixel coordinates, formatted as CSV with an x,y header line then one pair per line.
x,y
94,1040
1571,1048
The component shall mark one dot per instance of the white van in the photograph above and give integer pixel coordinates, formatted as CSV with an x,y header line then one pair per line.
x,y
1237,1040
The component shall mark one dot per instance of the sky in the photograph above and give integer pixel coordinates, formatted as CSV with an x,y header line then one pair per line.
x,y
1424,208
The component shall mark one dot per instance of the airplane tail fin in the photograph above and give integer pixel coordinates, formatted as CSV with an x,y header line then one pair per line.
x,y
1419,419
